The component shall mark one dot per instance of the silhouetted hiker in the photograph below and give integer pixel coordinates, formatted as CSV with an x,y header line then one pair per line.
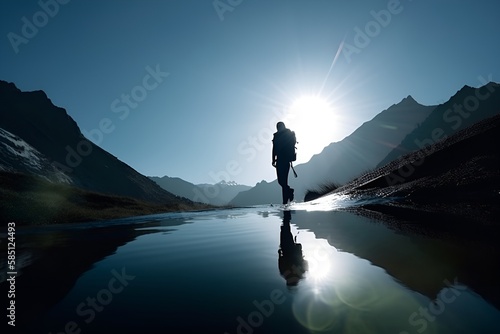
x,y
283,155
291,263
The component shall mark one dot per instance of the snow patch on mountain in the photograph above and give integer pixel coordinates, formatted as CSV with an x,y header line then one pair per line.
x,y
15,147
16,155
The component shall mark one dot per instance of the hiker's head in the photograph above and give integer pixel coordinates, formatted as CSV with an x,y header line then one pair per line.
x,y
280,126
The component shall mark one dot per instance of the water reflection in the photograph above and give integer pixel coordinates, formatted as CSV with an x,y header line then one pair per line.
x,y
291,263
345,274
57,258
362,277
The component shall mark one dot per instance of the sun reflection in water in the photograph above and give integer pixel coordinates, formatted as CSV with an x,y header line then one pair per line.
x,y
321,259
333,290
318,272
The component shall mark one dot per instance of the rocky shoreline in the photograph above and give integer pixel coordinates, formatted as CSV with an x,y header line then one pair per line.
x,y
457,179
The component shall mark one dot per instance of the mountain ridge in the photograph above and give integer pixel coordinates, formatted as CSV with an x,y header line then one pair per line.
x,y
449,117
31,125
217,194
49,129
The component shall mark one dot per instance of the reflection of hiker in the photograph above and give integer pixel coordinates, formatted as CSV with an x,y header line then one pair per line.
x,y
283,155
291,263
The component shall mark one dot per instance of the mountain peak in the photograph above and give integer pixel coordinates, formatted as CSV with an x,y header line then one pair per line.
x,y
8,86
409,100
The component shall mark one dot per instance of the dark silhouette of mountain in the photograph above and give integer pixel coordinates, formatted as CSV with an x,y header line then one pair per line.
x,y
342,161
458,176
175,185
41,134
221,193
468,106
262,193
213,194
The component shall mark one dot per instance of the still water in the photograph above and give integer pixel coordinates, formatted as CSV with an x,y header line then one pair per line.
x,y
252,270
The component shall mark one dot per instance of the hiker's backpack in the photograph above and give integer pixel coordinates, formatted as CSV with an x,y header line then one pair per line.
x,y
284,142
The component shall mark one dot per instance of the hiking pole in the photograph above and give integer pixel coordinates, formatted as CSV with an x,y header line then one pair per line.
x,y
293,169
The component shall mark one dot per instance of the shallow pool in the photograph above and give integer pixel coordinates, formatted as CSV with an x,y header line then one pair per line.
x,y
252,270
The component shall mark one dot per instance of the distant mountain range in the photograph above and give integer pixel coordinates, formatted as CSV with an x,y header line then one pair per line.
x,y
402,128
40,139
214,194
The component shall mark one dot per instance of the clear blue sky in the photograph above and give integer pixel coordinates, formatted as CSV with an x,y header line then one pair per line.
x,y
234,70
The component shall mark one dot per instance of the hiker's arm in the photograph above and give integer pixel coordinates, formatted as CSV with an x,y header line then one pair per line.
x,y
274,158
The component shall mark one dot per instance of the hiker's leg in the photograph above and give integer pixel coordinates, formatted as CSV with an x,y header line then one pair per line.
x,y
281,181
283,169
284,194
287,195
280,175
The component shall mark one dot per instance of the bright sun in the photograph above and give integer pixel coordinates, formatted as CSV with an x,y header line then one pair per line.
x,y
314,121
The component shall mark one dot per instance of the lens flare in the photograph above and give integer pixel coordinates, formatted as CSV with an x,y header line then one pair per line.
x,y
313,119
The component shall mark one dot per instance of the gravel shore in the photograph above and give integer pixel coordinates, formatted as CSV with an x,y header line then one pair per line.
x,y
457,179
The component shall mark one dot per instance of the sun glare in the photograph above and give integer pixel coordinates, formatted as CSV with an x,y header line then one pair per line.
x,y
313,119
319,272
